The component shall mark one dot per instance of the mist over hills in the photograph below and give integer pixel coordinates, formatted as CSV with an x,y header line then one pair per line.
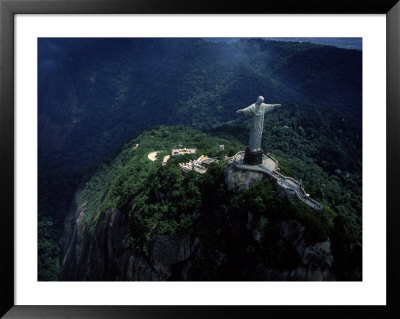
x,y
94,94
344,43
92,89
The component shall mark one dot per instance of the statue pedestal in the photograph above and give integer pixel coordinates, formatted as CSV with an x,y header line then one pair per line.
x,y
253,158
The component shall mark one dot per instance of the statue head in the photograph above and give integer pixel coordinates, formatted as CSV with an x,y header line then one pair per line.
x,y
260,100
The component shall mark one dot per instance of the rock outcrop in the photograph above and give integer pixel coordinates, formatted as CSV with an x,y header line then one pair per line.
x,y
237,179
316,259
102,253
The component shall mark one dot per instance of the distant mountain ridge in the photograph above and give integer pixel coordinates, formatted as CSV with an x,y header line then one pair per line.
x,y
344,43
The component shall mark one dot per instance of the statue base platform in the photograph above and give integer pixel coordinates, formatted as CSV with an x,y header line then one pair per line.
x,y
253,158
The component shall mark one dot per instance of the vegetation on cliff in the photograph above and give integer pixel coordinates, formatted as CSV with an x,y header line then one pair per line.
x,y
133,182
162,200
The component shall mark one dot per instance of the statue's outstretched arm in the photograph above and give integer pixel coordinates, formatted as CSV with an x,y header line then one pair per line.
x,y
245,111
270,107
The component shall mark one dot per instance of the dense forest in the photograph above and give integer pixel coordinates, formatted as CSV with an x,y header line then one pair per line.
x,y
100,97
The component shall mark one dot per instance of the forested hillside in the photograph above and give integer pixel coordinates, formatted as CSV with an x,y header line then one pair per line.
x,y
138,206
99,92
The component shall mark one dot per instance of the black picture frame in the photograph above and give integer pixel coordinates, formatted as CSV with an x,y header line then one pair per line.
x,y
9,8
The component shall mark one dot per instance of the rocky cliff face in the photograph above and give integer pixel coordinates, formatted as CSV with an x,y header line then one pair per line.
x,y
315,261
237,179
102,252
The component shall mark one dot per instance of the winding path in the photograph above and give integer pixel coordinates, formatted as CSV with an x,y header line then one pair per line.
x,y
269,166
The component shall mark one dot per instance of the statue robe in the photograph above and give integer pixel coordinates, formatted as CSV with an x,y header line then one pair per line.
x,y
256,112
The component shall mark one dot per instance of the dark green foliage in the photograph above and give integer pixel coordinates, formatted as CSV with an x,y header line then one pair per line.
x,y
164,200
346,245
48,250
160,199
223,231
318,224
213,187
106,90
260,199
323,149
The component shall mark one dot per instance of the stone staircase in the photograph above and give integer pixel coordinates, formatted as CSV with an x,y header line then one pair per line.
x,y
270,167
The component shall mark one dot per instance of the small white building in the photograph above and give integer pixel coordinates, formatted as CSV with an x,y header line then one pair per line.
x,y
180,151
165,160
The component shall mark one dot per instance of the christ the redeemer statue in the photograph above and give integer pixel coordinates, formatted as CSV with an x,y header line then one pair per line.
x,y
256,111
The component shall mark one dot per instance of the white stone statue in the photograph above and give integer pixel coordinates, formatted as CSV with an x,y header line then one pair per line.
x,y
257,111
